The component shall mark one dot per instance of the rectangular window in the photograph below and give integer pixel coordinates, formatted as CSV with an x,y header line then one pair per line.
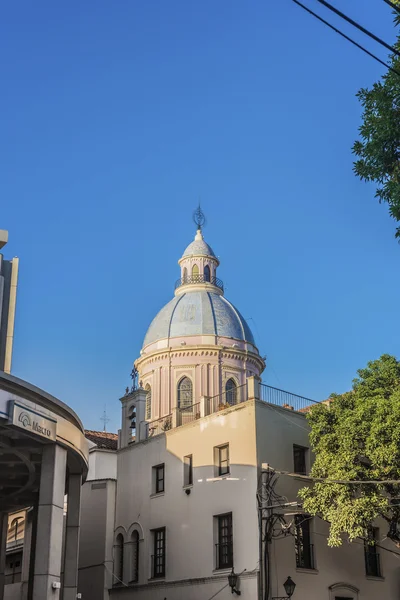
x,y
372,560
224,547
222,460
188,470
158,558
158,479
303,547
300,459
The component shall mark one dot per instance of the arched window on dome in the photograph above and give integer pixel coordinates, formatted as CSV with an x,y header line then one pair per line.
x,y
184,275
231,392
195,272
135,556
119,559
185,393
207,274
148,402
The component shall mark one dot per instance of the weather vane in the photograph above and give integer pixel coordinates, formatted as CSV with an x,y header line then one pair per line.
x,y
199,217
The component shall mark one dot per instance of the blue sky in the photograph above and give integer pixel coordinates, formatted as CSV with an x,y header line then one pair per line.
x,y
117,116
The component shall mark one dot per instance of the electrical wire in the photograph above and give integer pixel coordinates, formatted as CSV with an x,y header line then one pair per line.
x,y
339,481
394,6
358,26
349,39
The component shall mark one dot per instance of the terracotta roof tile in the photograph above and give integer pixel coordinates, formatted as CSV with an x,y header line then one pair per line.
x,y
103,439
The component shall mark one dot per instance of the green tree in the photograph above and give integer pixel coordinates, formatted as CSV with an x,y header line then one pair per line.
x,y
378,150
357,438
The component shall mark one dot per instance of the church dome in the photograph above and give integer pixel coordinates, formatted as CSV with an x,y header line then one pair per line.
x,y
199,248
198,312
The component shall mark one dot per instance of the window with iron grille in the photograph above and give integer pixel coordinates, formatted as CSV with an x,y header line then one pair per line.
x,y
300,459
221,460
303,547
158,558
231,392
135,557
159,479
185,393
371,555
188,470
224,547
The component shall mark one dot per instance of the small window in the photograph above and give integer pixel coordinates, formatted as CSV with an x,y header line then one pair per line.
x,y
195,272
302,538
184,275
148,402
119,559
188,470
207,274
224,547
230,392
371,555
159,479
300,459
221,460
158,558
185,393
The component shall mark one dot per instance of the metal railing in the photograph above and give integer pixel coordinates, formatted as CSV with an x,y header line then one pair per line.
x,y
159,426
224,555
158,565
305,556
190,279
284,399
228,398
188,414
372,563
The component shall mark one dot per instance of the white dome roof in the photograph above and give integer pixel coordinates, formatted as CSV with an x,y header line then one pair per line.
x,y
199,247
198,313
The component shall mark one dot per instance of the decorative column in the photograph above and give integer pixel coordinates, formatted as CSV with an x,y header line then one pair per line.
x,y
71,552
3,546
48,549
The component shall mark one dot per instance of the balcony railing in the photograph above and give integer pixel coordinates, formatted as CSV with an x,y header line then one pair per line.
x,y
285,399
159,426
188,414
228,398
190,279
305,556
224,555
372,564
158,565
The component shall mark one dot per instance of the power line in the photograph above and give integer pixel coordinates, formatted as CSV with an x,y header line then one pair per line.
x,y
346,37
358,26
396,8
340,481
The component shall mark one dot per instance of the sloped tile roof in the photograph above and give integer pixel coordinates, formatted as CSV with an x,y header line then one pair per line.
x,y
103,439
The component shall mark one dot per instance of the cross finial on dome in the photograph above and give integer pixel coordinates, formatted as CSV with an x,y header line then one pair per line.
x,y
199,218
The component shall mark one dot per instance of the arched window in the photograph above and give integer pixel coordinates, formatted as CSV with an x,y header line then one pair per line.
x,y
184,275
207,274
148,402
231,392
185,393
135,556
195,272
119,559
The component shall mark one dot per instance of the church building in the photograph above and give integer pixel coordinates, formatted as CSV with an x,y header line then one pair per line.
x,y
198,497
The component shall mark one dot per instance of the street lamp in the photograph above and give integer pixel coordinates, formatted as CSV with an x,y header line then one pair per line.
x,y
289,586
233,579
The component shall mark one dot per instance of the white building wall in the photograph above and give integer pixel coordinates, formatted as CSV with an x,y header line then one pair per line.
x,y
190,535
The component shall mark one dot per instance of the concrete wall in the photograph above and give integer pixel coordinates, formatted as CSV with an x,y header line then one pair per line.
x,y
96,539
189,519
277,430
